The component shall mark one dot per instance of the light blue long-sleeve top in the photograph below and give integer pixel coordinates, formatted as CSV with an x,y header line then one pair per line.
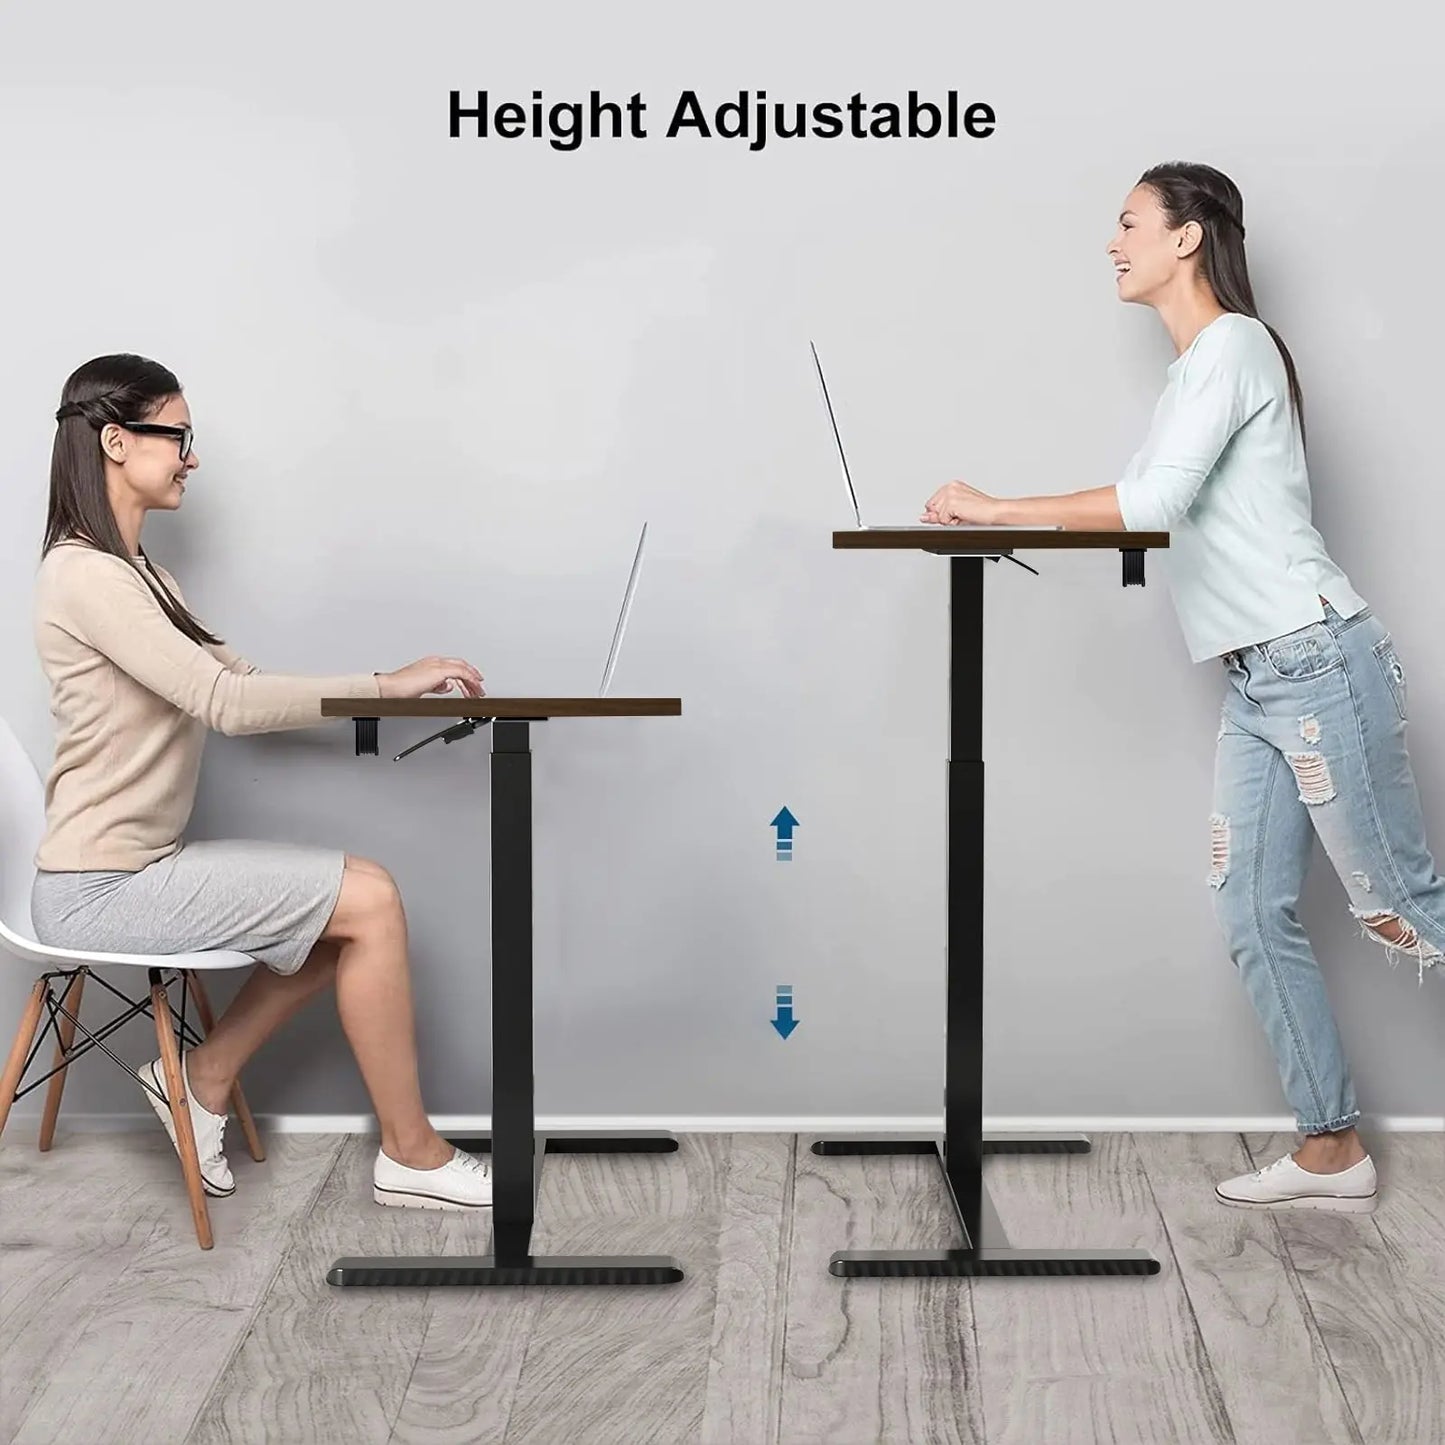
x,y
1223,472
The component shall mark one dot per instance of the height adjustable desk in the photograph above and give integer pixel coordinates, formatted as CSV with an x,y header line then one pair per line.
x,y
985,1249
518,1151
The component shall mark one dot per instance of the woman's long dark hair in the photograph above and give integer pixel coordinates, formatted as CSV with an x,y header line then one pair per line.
x,y
120,389
1189,192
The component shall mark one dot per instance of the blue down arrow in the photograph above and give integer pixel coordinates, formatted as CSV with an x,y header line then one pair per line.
x,y
784,1022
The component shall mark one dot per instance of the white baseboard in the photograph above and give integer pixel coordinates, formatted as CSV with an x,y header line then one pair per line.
x,y
785,1124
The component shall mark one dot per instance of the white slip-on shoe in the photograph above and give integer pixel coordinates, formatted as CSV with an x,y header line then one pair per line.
x,y
463,1182
208,1128
1284,1185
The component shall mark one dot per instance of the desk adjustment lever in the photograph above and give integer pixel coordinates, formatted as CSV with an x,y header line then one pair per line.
x,y
463,729
1133,566
1012,558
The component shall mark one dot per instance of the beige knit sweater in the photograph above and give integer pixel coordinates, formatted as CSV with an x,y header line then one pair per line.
x,y
132,697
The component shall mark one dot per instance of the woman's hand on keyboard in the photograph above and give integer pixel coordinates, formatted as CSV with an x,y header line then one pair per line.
x,y
432,674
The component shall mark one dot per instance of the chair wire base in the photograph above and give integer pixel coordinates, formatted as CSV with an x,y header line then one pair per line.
x,y
57,1009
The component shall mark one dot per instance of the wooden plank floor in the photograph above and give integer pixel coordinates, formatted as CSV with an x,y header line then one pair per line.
x,y
1282,1329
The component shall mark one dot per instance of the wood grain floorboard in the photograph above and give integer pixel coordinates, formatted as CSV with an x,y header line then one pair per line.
x,y
700,1383
1372,1283
745,1353
1270,1362
163,1327
1299,1328
874,1361
1412,1223
1087,1360
71,1221
626,1364
321,1364
464,1386
468,1382
473,1342
680,1185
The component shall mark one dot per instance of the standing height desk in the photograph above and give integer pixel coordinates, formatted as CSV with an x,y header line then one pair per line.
x,y
985,1249
518,1151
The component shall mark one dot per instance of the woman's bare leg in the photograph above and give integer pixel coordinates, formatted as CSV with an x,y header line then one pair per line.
x,y
364,952
373,997
265,1002
1330,1153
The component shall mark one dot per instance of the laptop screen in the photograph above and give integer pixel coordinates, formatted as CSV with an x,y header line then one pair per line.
x,y
622,615
847,475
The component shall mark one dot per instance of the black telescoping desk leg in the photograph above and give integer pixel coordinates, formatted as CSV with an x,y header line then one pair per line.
x,y
518,1151
985,1249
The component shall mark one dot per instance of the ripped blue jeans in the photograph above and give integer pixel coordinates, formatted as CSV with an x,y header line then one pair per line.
x,y
1312,740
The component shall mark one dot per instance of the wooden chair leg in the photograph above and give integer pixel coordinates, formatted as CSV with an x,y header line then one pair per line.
x,y
66,1030
24,1037
181,1113
238,1099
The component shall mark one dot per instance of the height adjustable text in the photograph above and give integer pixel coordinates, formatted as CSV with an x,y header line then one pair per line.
x,y
565,124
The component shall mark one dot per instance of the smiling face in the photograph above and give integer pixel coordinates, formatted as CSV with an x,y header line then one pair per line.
x,y
1148,255
146,472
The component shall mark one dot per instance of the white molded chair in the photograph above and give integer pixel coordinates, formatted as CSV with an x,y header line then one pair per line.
x,y
22,825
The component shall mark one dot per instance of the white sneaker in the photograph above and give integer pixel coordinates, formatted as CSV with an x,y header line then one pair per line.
x,y
1284,1185
463,1182
207,1127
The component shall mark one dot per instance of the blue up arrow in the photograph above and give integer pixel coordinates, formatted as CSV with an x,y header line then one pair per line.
x,y
785,822
784,1022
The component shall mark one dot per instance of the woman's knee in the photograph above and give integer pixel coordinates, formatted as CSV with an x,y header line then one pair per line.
x,y
1242,925
369,899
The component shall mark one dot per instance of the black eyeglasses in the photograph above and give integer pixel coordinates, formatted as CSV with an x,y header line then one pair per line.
x,y
182,434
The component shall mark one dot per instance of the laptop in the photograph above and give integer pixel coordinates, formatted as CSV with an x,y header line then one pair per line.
x,y
469,725
911,526
623,615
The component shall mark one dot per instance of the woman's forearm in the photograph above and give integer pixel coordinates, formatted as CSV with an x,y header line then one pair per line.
x,y
1094,510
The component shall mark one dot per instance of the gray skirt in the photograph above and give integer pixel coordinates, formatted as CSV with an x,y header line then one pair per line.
x,y
271,900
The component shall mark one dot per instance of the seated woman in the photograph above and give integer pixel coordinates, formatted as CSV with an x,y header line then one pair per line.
x,y
135,683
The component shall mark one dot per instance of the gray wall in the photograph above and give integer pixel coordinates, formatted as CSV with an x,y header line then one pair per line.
x,y
438,385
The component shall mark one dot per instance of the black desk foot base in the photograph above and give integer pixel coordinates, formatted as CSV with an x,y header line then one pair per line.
x,y
577,1141
993,1255
928,1144
962,1263
483,1269
517,1267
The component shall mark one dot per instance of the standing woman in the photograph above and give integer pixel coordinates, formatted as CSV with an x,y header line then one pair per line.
x,y
1312,731
135,683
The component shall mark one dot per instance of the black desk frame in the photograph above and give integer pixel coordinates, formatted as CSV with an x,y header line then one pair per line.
x,y
985,1249
518,1151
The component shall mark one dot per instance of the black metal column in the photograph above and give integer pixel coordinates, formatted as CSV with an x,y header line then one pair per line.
x,y
518,1151
963,1047
515,1158
985,1249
